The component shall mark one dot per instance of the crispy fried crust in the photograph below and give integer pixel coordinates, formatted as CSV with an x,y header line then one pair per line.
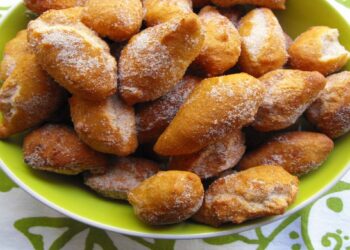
x,y
167,197
107,126
13,52
157,58
124,175
222,44
40,6
263,42
215,108
214,159
318,49
153,117
73,54
297,152
117,20
271,4
28,97
161,11
331,111
257,192
57,148
289,94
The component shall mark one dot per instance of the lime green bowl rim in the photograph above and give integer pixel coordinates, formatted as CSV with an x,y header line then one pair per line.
x,y
166,236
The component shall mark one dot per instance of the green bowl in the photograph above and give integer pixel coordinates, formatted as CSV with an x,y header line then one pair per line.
x,y
68,195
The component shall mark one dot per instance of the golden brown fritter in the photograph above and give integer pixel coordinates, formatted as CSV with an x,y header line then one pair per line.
x,y
107,126
154,117
222,44
157,58
272,4
297,152
318,49
215,108
40,6
13,52
167,197
57,148
263,42
213,159
161,11
289,94
121,177
73,54
331,111
253,193
28,97
117,20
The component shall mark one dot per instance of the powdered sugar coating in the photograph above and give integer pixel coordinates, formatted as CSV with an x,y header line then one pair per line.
x,y
263,42
117,20
214,159
156,59
74,55
297,152
289,94
13,51
256,40
331,111
124,175
167,197
214,109
257,192
28,97
40,6
154,117
107,126
160,11
57,148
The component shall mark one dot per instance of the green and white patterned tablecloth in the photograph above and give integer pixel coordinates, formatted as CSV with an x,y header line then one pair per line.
x,y
27,224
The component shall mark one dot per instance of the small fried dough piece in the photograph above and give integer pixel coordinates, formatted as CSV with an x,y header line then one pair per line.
x,y
73,54
297,152
214,159
107,126
167,197
28,97
161,11
215,108
152,118
289,94
158,57
200,3
263,42
57,148
118,20
271,4
222,44
318,49
257,192
14,50
124,175
330,113
40,6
